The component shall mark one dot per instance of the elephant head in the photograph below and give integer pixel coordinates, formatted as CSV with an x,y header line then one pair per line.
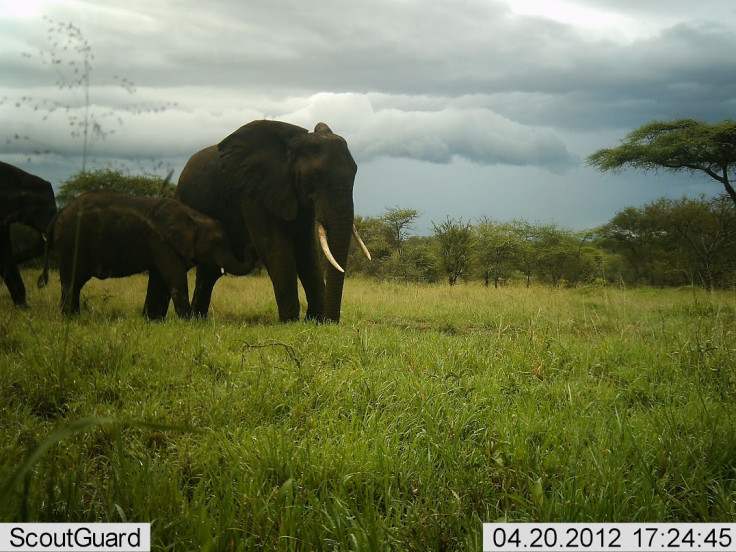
x,y
197,238
212,247
301,178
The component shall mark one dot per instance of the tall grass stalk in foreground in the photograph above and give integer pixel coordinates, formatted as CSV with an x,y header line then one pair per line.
x,y
427,411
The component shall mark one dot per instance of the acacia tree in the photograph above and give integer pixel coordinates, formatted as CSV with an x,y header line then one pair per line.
x,y
495,248
373,232
398,221
526,251
454,240
680,145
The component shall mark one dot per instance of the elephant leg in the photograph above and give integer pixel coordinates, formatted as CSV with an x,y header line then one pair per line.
x,y
10,274
180,297
9,271
14,282
275,246
206,278
72,280
66,300
70,292
285,288
158,296
173,275
310,274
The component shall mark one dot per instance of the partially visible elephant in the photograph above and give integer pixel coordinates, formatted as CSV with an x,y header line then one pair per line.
x,y
275,187
27,199
111,235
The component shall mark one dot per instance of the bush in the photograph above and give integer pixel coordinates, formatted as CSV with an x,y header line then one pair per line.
x,y
108,179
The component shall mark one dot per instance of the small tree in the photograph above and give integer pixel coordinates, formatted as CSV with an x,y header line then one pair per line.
x,y
526,252
495,248
454,240
555,250
419,262
373,232
398,221
564,259
107,179
626,235
680,145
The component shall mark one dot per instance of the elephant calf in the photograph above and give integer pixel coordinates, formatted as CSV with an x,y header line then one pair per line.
x,y
111,235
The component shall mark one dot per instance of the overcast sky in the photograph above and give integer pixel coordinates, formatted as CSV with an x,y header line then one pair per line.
x,y
457,108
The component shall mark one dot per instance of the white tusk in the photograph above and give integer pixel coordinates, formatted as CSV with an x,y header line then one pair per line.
x,y
363,248
326,248
44,236
222,270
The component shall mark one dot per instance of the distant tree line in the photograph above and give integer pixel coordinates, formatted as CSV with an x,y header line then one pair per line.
x,y
675,242
664,243
687,241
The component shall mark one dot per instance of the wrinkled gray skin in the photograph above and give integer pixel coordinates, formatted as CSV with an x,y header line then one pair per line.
x,y
106,234
269,183
27,199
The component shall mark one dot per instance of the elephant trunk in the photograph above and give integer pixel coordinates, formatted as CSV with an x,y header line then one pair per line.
x,y
228,264
338,232
48,238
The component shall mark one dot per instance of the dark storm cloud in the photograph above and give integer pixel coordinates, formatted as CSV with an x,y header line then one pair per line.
x,y
687,71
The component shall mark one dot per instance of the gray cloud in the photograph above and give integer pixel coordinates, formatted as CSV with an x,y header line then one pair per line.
x,y
435,130
456,84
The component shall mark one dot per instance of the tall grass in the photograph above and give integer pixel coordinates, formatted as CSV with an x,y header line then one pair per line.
x,y
427,411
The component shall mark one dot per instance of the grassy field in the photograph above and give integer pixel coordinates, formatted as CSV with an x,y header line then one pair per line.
x,y
426,412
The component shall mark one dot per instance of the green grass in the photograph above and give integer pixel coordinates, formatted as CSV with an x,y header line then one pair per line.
x,y
426,412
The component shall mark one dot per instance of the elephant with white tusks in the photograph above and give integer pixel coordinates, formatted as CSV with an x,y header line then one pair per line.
x,y
287,194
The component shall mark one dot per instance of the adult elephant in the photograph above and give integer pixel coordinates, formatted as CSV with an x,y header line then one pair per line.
x,y
27,199
276,187
107,234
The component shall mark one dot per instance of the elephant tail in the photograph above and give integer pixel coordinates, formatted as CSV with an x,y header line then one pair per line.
x,y
48,238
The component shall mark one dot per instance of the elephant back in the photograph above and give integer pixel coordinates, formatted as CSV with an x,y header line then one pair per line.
x,y
206,188
257,158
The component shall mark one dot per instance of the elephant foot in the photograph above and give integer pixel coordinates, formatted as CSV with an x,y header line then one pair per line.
x,y
183,310
22,306
316,318
155,310
289,317
152,317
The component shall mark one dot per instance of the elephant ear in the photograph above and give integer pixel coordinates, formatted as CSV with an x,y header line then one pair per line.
x,y
258,156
